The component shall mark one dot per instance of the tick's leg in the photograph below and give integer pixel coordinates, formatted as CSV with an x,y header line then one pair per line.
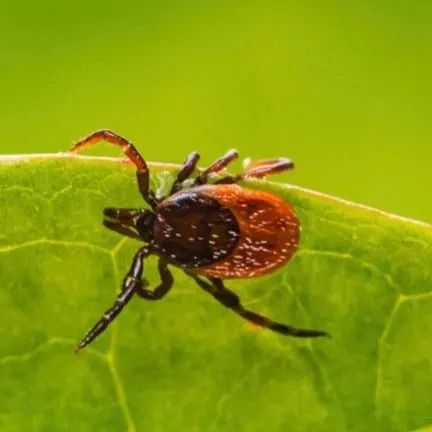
x,y
130,283
215,167
130,151
187,169
230,300
162,289
260,169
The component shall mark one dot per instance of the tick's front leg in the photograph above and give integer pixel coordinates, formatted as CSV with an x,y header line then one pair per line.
x,y
130,151
130,284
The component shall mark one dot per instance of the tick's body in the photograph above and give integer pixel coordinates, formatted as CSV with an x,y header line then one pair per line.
x,y
214,231
226,231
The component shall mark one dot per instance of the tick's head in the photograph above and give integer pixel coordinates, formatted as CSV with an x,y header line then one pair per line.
x,y
135,223
144,225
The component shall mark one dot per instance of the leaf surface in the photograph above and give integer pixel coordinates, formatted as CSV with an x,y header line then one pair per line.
x,y
185,363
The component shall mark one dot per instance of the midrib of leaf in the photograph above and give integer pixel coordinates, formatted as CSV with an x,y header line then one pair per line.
x,y
345,233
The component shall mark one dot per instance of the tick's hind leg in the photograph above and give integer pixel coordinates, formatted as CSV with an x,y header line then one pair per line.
x,y
130,151
215,167
230,300
130,284
260,169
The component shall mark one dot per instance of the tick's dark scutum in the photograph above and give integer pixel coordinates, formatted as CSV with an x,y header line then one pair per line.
x,y
193,229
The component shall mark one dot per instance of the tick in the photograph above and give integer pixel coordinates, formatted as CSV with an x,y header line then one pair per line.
x,y
213,231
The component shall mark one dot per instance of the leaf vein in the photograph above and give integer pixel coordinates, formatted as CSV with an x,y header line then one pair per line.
x,y
347,256
53,242
379,372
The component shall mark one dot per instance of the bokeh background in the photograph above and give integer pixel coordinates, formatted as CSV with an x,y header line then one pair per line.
x,y
343,87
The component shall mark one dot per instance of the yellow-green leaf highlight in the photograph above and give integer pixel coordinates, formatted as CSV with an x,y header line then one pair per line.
x,y
185,363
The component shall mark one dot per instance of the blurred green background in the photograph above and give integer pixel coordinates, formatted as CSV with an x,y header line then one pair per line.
x,y
343,87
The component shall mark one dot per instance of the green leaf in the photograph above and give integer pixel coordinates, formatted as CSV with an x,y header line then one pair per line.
x,y
185,363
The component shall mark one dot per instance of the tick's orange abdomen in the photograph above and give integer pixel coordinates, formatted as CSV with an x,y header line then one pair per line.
x,y
269,232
